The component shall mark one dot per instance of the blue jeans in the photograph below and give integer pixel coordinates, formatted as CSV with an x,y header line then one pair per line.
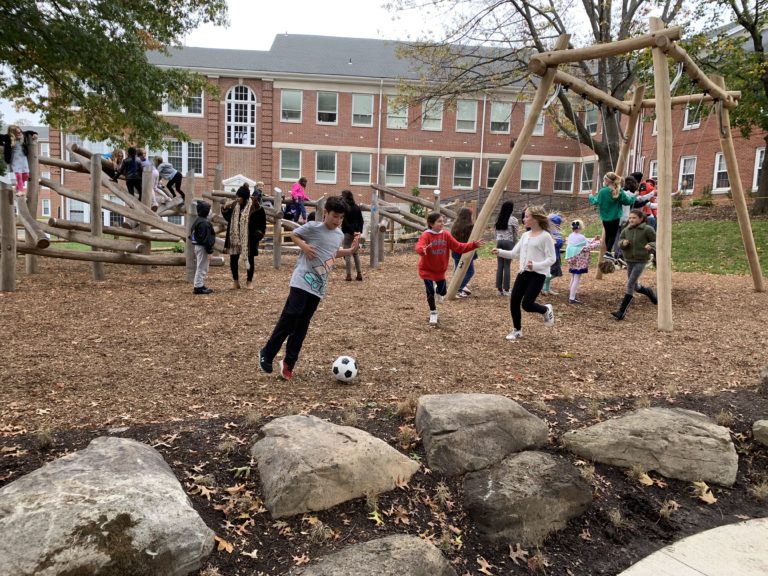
x,y
470,270
634,270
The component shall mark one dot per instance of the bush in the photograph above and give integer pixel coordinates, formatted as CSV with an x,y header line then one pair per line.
x,y
705,199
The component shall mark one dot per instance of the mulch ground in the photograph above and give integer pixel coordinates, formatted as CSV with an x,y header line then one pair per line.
x,y
180,372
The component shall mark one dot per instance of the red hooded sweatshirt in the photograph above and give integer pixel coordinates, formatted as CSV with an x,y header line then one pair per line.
x,y
435,249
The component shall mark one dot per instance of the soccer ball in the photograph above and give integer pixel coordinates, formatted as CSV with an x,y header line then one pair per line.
x,y
344,368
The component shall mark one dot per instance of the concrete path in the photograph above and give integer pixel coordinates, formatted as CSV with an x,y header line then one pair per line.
x,y
736,549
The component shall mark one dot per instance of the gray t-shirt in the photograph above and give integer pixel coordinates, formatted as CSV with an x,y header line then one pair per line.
x,y
312,276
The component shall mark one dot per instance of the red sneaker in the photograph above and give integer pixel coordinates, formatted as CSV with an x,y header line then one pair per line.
x,y
286,373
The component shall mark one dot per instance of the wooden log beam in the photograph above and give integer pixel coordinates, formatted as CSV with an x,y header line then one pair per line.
x,y
373,229
691,99
393,217
116,257
277,238
540,62
634,114
189,219
65,164
7,240
87,154
58,223
33,193
97,224
415,200
146,200
35,236
98,242
589,92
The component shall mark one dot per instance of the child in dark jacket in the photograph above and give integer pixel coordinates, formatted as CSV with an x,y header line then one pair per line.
x,y
637,241
203,239
131,168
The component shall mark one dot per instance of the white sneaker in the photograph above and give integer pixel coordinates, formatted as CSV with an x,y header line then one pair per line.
x,y
506,293
440,300
549,316
433,318
515,335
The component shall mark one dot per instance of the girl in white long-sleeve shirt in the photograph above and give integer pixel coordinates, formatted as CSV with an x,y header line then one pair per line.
x,y
536,253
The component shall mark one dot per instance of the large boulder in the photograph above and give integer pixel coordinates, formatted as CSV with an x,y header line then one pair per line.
x,y
466,432
113,508
398,555
760,432
525,497
674,442
308,464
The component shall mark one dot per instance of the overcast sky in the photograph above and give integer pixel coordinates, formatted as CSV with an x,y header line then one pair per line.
x,y
253,26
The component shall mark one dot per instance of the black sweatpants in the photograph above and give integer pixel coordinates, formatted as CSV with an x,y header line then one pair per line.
x,y
526,289
233,265
611,228
175,182
292,325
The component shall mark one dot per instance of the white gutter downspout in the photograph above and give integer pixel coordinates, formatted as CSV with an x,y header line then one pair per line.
x,y
378,136
482,145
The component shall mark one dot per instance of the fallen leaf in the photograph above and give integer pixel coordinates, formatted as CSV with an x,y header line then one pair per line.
x,y
585,535
223,546
517,553
703,492
254,554
485,567
301,560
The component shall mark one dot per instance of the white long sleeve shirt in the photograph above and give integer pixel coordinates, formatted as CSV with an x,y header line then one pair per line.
x,y
538,249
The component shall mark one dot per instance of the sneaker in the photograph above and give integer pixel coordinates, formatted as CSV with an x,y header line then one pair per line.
x,y
610,257
506,293
266,366
461,294
359,278
441,299
207,290
621,263
515,335
467,291
549,316
574,301
348,278
286,372
433,318
202,290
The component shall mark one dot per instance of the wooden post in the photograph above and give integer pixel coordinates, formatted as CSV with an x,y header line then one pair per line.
x,y
277,240
737,190
391,236
218,184
33,193
97,224
664,218
146,200
7,239
373,229
380,252
189,218
506,173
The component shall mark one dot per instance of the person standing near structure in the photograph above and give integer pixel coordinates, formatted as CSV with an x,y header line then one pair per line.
x,y
507,227
247,224
15,151
299,197
351,225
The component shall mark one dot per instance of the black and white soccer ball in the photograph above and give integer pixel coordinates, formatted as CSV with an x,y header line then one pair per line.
x,y
344,368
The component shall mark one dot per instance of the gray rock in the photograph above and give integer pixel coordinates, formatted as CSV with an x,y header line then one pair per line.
x,y
391,556
525,497
760,432
674,442
308,464
114,508
465,432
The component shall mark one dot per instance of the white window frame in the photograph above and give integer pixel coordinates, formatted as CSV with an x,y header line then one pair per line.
x,y
584,165
719,157
680,175
653,169
538,130
45,207
501,108
471,173
185,156
470,109
569,190
335,122
289,177
167,110
587,123
421,166
692,125
538,178
318,179
432,111
234,129
654,128
283,109
387,182
397,118
356,100
101,147
758,166
488,182
45,150
352,172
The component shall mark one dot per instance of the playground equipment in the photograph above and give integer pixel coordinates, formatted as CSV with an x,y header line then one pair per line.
x,y
661,41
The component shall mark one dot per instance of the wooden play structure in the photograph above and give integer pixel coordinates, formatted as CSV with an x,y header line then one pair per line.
x,y
661,41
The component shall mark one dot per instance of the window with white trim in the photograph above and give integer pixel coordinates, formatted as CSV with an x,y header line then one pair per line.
x,y
432,115
538,130
362,110
45,150
530,175
692,117
185,156
653,169
501,114
591,119
720,181
192,107
587,176
462,172
291,105
240,115
46,207
290,165
494,170
654,128
466,116
325,167
687,174
397,116
327,107
759,159
563,177
94,147
394,170
429,171
360,168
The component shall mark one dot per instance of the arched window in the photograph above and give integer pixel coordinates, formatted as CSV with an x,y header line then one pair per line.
x,y
241,117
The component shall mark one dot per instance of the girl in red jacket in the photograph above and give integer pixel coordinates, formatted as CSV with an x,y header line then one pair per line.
x,y
434,248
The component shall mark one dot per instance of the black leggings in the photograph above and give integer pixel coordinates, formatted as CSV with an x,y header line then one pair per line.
x,y
611,228
233,265
526,289
175,182
134,187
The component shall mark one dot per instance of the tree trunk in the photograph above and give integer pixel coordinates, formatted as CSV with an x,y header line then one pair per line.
x,y
761,202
